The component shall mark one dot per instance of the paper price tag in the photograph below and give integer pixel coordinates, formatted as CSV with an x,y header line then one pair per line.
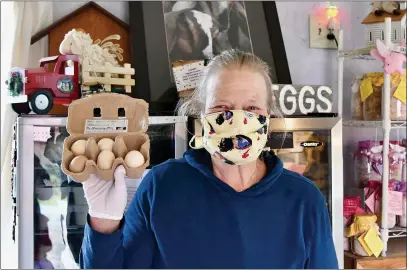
x,y
366,89
400,92
395,203
106,126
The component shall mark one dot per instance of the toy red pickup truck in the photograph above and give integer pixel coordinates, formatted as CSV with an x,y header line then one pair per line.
x,y
38,89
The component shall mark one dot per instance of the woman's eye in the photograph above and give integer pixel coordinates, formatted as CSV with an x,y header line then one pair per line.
x,y
253,108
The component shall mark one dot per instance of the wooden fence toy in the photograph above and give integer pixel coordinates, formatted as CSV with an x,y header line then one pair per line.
x,y
95,74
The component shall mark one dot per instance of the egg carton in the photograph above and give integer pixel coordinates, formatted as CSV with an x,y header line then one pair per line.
x,y
108,115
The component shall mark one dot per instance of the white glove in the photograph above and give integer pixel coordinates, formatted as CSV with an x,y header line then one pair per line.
x,y
106,199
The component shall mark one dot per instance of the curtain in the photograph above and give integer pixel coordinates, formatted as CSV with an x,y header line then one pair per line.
x,y
19,21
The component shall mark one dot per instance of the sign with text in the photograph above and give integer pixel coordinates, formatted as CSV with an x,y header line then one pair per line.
x,y
188,74
303,99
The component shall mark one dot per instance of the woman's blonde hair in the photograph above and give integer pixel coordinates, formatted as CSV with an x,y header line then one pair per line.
x,y
195,105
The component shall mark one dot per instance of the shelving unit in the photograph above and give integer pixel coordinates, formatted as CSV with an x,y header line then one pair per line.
x,y
386,124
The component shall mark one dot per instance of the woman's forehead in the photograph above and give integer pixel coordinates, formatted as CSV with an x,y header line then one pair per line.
x,y
237,83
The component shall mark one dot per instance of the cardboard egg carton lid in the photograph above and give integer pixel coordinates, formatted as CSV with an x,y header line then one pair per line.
x,y
109,109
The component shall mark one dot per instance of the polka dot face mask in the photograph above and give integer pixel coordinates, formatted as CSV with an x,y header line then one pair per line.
x,y
236,136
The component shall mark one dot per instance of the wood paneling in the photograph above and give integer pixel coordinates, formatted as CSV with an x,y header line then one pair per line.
x,y
395,259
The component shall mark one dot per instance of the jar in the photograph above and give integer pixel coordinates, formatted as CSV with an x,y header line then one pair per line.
x,y
402,220
404,169
391,219
372,105
397,108
396,160
357,105
364,166
357,248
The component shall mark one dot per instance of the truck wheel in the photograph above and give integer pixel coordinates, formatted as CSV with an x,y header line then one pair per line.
x,y
21,108
41,102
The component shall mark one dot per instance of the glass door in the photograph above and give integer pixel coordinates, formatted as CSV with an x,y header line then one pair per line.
x,y
307,153
51,228
60,208
312,147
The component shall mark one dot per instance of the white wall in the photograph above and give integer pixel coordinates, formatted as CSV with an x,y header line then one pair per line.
x,y
307,65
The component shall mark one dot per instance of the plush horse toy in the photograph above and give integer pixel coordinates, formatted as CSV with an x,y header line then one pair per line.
x,y
393,61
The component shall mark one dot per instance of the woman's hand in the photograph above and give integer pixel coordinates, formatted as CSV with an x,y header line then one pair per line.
x,y
106,200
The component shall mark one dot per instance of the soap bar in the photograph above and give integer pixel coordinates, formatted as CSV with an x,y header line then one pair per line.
x,y
105,160
134,159
78,147
77,164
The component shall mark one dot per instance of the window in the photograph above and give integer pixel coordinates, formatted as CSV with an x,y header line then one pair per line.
x,y
404,33
370,36
382,35
394,34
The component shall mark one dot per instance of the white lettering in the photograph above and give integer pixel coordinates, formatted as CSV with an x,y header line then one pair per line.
x,y
310,101
324,99
292,100
310,144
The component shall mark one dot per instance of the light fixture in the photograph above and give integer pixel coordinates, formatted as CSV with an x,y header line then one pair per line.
x,y
331,11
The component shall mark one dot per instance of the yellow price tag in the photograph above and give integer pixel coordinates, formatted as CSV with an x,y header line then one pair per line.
x,y
366,88
365,246
400,92
374,242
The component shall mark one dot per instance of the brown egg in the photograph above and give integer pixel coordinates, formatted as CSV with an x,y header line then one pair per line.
x,y
134,159
105,160
77,164
106,144
78,147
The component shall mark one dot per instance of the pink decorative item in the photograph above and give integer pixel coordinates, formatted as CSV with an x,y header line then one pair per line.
x,y
393,61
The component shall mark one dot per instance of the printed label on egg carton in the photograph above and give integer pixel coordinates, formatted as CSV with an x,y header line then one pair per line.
x,y
84,158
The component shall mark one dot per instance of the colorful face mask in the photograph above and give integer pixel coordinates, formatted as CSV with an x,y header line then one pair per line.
x,y
236,136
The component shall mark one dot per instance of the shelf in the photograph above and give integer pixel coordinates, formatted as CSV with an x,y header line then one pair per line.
x,y
372,124
397,232
363,53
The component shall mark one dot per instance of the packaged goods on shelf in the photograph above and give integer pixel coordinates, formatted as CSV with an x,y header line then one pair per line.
x,y
365,236
365,161
367,97
402,220
369,161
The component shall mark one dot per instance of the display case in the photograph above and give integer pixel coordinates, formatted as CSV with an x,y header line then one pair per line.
x,y
312,147
51,209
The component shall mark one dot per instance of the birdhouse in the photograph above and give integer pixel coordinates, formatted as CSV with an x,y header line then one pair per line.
x,y
374,27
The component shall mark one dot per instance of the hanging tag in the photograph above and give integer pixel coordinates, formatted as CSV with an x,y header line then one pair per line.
x,y
370,202
366,89
400,92
395,203
373,241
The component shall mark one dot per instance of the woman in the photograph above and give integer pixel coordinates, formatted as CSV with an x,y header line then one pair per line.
x,y
223,207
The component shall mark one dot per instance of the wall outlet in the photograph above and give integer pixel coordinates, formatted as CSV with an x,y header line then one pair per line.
x,y
319,31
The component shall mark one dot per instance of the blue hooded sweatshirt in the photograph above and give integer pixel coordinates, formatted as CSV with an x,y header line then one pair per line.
x,y
183,216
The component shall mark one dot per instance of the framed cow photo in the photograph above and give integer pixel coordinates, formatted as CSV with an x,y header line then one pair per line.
x,y
166,32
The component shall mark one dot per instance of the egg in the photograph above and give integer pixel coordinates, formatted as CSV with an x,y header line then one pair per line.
x,y
134,159
78,147
105,160
77,164
106,144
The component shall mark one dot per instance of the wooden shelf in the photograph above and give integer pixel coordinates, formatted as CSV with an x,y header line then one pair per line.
x,y
395,259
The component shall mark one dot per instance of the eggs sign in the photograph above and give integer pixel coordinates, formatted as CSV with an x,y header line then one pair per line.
x,y
301,100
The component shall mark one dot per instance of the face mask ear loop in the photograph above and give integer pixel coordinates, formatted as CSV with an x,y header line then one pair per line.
x,y
190,142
